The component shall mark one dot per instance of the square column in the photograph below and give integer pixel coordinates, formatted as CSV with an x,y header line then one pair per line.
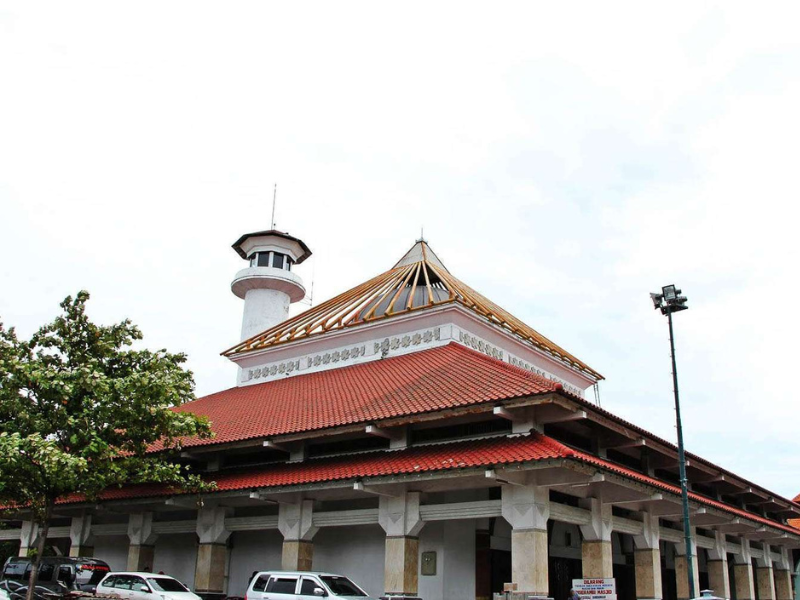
x,y
743,573
29,535
212,553
783,584
142,540
526,507
647,560
596,552
295,523
765,582
682,568
682,576
399,517
718,574
80,537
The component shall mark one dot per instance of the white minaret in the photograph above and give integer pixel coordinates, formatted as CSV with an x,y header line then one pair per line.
x,y
268,285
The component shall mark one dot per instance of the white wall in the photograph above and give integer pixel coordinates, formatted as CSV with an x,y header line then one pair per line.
x,y
176,555
113,549
357,552
454,544
252,551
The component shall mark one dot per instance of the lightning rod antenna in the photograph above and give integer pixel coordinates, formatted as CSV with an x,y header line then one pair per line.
x,y
274,196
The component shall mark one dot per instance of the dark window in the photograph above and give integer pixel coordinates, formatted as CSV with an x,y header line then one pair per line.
x,y
261,583
263,259
109,581
277,260
65,574
342,586
15,571
139,585
46,572
123,582
167,584
282,585
307,587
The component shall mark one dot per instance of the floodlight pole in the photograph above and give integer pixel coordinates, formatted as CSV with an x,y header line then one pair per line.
x,y
687,532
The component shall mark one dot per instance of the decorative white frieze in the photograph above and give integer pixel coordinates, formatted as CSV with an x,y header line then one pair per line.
x,y
480,345
539,371
340,357
414,339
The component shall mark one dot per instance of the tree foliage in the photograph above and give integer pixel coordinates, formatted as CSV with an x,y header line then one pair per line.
x,y
81,411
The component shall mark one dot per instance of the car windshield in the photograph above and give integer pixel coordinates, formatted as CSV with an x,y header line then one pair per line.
x,y
342,586
166,584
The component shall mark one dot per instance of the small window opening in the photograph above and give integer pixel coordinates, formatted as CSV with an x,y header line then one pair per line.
x,y
277,260
263,259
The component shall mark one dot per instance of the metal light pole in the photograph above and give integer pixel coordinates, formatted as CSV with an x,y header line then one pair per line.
x,y
670,301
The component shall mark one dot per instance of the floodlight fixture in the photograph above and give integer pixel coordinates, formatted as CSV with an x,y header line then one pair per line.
x,y
670,292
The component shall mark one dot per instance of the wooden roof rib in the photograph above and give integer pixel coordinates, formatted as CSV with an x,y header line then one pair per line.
x,y
418,281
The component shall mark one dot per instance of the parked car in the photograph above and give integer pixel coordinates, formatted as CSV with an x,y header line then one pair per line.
x,y
57,575
302,585
144,586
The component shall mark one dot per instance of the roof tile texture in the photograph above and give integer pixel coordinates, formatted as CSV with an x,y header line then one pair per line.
x,y
446,377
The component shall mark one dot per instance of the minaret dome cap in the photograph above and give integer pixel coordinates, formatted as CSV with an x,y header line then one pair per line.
x,y
245,245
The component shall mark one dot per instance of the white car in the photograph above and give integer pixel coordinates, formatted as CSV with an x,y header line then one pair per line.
x,y
144,586
302,585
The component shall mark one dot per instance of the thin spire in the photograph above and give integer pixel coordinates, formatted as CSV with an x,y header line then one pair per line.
x,y
421,234
274,197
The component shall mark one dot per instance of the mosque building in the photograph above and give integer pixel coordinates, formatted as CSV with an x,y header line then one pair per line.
x,y
413,435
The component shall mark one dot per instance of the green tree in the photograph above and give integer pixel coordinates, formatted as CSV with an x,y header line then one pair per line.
x,y
81,411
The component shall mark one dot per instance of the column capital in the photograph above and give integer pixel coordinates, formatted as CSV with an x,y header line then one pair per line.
x,y
399,515
744,557
526,506
140,529
29,534
599,529
650,537
720,549
211,525
295,520
680,549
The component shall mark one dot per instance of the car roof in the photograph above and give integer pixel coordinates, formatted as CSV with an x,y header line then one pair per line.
x,y
141,574
293,573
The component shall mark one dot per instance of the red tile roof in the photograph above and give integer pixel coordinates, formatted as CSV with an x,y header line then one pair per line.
x,y
421,459
430,380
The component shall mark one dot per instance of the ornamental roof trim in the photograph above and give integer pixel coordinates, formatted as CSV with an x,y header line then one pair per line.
x,y
418,281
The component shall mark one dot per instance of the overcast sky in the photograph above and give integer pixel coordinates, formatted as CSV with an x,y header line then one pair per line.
x,y
564,159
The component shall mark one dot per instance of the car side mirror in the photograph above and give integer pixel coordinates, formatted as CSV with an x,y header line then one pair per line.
x,y
318,591
142,588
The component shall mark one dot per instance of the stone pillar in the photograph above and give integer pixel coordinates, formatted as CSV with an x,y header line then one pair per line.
x,y
142,540
647,559
783,576
399,517
212,551
80,536
596,552
526,507
743,580
295,523
743,572
682,569
28,537
718,577
783,584
682,576
765,581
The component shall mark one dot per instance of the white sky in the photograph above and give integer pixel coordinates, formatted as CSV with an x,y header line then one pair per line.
x,y
565,160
